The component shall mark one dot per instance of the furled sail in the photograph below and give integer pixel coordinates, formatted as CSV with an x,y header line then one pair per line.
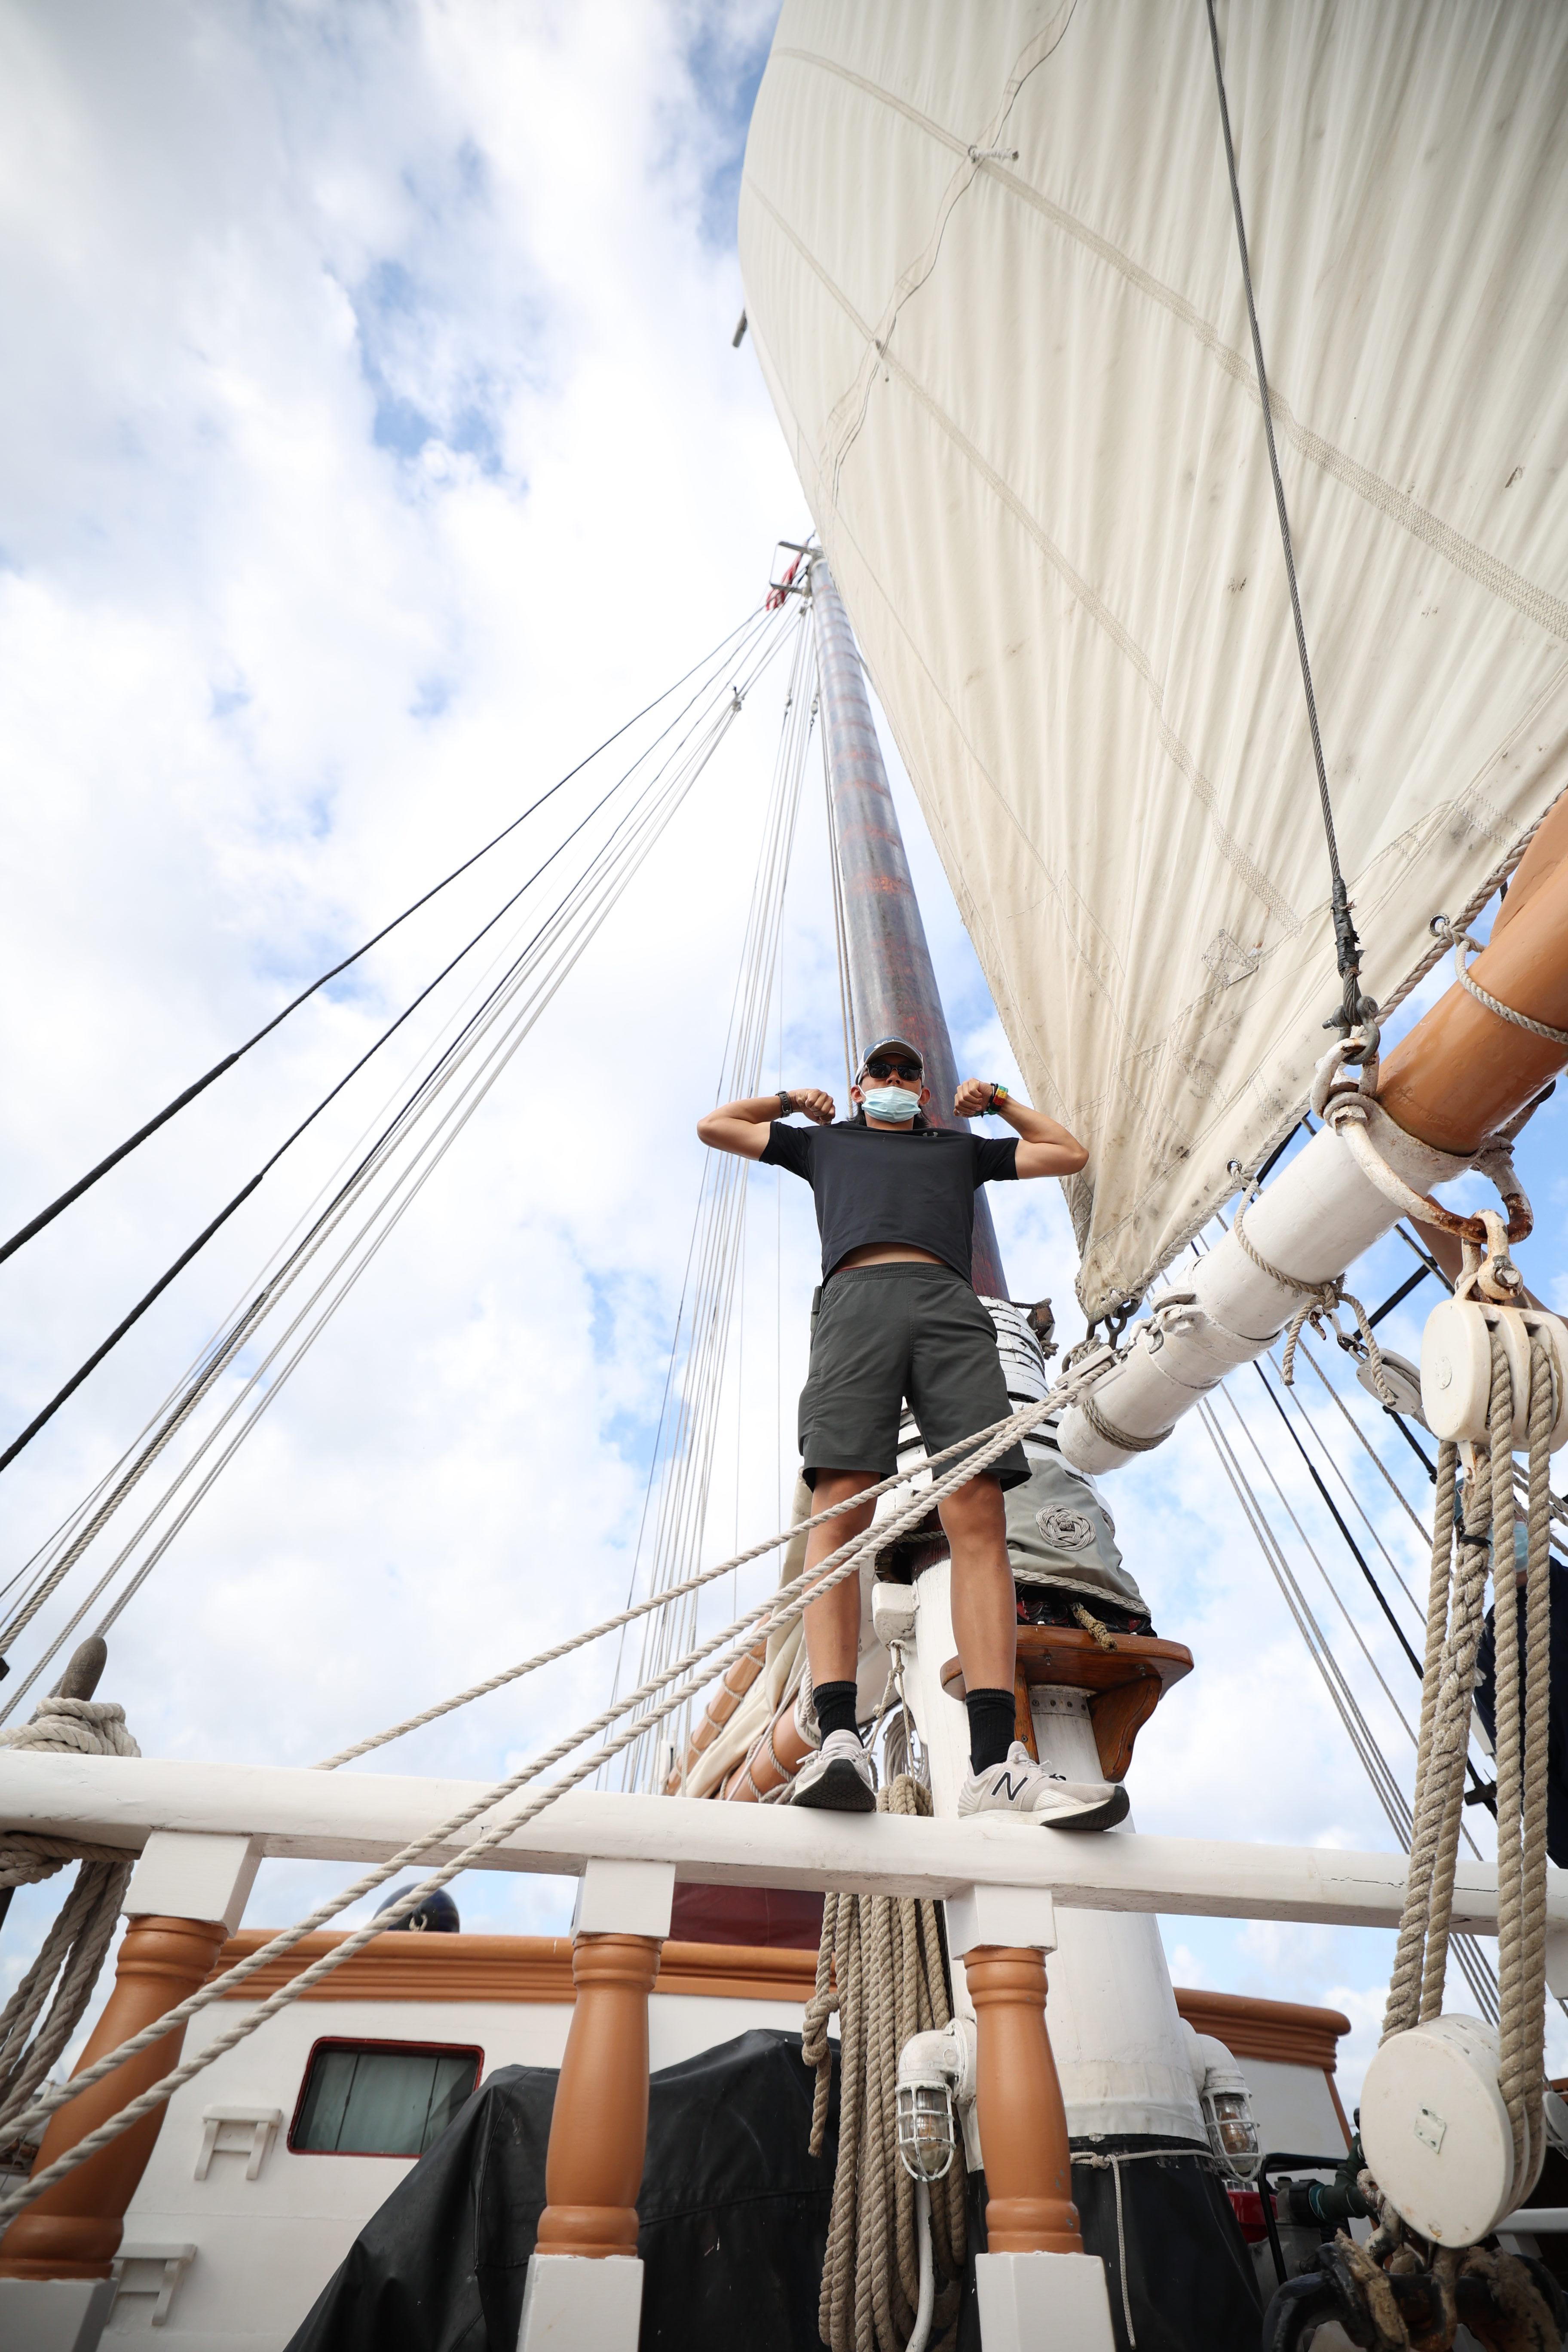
x,y
992,274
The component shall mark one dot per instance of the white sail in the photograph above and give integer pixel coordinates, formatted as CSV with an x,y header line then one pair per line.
x,y
991,275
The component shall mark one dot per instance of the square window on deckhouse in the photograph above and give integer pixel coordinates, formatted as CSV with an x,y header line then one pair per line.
x,y
381,2098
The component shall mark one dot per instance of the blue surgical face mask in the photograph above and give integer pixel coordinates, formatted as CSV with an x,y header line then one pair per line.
x,y
893,1104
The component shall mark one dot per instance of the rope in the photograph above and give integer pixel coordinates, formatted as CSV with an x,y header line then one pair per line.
x,y
161,1118
61,1978
1108,1435
564,936
783,1608
1347,944
1318,1300
1460,940
881,1965
1523,1707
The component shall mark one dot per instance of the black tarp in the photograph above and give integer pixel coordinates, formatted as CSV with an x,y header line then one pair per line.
x,y
735,2217
1190,2285
734,2222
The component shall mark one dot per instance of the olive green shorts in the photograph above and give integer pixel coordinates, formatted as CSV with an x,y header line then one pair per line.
x,y
884,1333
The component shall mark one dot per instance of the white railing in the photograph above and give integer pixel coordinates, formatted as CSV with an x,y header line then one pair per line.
x,y
368,1816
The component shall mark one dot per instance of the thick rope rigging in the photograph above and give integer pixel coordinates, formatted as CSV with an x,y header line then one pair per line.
x,y
48,2005
1353,1009
47,1216
672,1689
881,1965
509,1009
1461,1547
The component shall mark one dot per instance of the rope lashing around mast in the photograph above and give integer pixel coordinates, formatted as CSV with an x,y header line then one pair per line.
x,y
1108,1433
1318,1300
670,1690
1459,940
1355,1009
62,1977
881,1965
1455,1619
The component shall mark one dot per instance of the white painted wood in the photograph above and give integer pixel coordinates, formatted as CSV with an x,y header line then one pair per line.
x,y
1001,1915
155,2270
571,2304
54,2314
1042,2302
625,1898
1315,1219
185,1874
251,2132
346,1816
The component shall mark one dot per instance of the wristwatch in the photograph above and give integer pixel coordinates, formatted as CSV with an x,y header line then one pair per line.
x,y
787,1102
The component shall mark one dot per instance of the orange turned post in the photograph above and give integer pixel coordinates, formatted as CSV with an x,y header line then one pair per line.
x,y
1023,2122
598,2130
73,2230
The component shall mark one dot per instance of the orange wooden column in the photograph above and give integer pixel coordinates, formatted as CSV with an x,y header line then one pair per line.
x,y
74,2229
598,2129
1023,2122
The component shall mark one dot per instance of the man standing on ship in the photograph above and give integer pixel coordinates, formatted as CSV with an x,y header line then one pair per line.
x,y
899,1319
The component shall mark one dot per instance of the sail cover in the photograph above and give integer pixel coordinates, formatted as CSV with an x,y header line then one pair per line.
x,y
991,275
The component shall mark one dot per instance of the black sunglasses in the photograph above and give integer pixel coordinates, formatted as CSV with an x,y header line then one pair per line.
x,y
883,1069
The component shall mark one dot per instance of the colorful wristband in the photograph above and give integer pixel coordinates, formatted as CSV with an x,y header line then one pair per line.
x,y
999,1094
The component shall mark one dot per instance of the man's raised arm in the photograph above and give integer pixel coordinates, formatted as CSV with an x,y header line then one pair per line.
x,y
1045,1148
742,1126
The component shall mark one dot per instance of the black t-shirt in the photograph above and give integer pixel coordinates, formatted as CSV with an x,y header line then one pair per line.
x,y
914,1186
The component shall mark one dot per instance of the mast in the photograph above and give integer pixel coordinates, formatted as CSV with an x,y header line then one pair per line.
x,y
894,990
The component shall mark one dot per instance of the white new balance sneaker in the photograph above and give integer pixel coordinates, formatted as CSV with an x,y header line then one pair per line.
x,y
1034,1792
838,1778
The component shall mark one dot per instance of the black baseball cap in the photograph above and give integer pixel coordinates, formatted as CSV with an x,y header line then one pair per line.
x,y
893,1045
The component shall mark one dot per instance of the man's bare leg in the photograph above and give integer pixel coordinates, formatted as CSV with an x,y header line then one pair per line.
x,y
984,1607
833,1623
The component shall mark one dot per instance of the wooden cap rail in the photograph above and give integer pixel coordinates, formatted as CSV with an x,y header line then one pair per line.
x,y
517,1969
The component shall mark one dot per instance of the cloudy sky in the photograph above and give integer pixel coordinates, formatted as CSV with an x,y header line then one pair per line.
x,y
372,447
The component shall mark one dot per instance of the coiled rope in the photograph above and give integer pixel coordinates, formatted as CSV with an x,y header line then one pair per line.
x,y
1318,1300
1453,1624
1459,940
881,1965
61,1978
668,1691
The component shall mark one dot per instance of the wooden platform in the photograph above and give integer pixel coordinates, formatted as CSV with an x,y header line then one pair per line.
x,y
1125,1683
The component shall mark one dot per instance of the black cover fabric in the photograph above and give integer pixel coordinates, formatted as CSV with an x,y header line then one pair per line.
x,y
1190,2279
735,2217
893,1184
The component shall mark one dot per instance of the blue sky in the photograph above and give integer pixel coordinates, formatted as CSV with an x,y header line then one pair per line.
x,y
376,445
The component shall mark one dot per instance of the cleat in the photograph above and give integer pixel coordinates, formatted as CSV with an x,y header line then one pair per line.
x,y
1033,1793
838,1778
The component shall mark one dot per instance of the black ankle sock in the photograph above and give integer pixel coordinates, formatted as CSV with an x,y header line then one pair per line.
x,y
992,1726
835,1704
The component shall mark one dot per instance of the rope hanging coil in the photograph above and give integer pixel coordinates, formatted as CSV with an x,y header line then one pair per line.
x,y
1460,940
880,1965
1318,1300
1454,1621
48,2005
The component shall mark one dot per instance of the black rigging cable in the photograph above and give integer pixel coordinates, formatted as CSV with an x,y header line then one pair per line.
x,y
62,1395
84,1183
1354,1008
